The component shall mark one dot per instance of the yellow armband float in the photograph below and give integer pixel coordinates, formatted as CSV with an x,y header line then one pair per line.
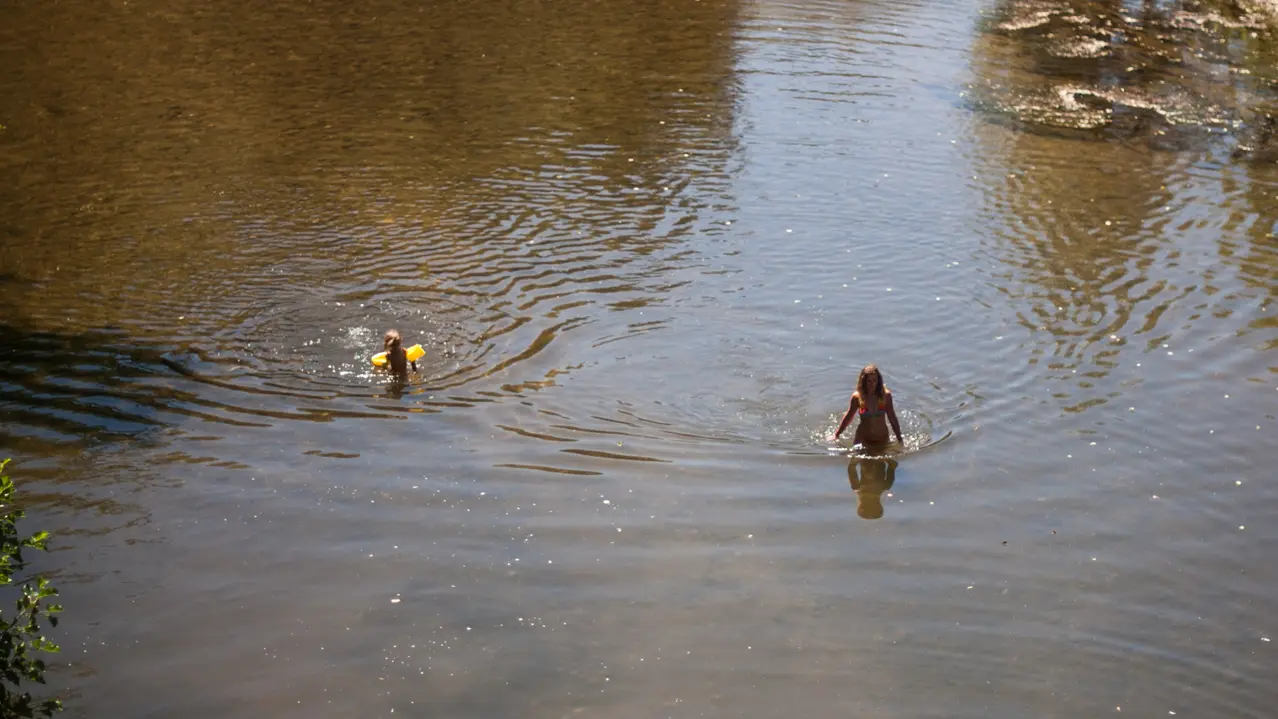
x,y
414,353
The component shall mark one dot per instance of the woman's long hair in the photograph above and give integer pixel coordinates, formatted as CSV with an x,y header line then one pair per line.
x,y
863,383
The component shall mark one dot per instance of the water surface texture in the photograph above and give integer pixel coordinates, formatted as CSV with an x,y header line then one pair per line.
x,y
647,247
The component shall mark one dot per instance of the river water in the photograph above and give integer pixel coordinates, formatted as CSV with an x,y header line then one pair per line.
x,y
647,246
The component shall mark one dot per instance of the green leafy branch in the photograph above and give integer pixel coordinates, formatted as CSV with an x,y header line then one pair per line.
x,y
20,634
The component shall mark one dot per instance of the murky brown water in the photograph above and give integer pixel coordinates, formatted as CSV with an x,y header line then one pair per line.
x,y
647,246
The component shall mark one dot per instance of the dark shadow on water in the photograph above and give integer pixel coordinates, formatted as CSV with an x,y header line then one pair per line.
x,y
870,478
63,392
66,390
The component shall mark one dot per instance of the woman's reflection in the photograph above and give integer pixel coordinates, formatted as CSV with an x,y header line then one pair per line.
x,y
876,476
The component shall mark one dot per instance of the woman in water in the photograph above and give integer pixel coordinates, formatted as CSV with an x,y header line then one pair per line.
x,y
872,401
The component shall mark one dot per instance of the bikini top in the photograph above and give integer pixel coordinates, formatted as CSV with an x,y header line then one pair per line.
x,y
873,412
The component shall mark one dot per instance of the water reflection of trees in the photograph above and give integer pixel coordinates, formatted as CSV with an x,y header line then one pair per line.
x,y
143,142
1163,72
1256,255
1082,228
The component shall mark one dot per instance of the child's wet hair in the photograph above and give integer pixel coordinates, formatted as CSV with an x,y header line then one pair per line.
x,y
392,340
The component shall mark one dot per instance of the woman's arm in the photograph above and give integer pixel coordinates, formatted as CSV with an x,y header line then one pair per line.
x,y
847,417
891,413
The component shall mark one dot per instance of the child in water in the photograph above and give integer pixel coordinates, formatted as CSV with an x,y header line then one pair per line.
x,y
873,402
396,357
